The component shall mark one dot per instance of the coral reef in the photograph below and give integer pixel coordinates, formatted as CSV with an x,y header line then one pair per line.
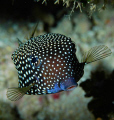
x,y
8,112
101,88
67,106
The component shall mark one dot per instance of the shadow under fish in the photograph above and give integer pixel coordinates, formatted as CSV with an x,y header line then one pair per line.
x,y
47,64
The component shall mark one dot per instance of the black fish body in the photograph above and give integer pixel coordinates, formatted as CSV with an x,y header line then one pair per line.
x,y
47,64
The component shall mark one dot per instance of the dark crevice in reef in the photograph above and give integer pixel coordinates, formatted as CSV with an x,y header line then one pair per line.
x,y
28,10
101,88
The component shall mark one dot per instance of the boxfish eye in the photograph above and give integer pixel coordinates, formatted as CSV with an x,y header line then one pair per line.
x,y
34,61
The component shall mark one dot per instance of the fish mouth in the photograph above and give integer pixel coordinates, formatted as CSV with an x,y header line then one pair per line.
x,y
71,88
69,84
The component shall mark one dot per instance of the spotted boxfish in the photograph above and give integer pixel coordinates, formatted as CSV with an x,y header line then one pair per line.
x,y
47,64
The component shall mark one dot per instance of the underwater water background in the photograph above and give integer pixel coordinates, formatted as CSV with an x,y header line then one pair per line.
x,y
17,20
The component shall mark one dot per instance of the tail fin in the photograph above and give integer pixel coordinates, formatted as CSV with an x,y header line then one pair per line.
x,y
96,53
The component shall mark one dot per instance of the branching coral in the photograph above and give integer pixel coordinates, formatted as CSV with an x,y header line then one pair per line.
x,y
93,5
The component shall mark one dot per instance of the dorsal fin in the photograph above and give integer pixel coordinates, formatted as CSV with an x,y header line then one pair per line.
x,y
31,34
19,42
34,30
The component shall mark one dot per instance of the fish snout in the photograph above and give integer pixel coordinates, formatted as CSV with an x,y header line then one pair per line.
x,y
69,84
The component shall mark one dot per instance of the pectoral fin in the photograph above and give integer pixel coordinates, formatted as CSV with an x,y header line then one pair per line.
x,y
15,94
96,53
